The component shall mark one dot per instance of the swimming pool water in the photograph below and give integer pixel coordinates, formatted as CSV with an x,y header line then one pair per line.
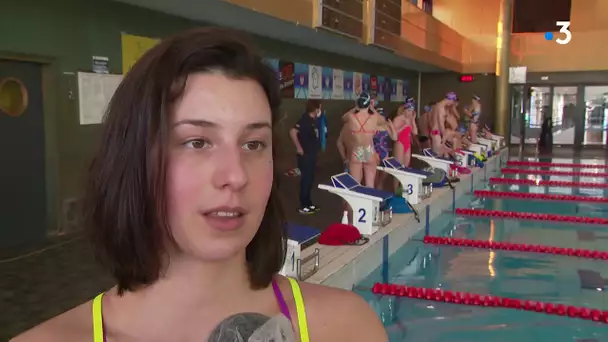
x,y
528,276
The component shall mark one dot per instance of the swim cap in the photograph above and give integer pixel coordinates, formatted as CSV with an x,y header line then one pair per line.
x,y
364,100
451,96
476,98
410,106
410,100
427,109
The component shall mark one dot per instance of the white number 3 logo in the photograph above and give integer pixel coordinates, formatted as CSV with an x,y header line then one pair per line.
x,y
565,25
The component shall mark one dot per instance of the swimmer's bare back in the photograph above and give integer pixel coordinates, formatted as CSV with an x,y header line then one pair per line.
x,y
363,126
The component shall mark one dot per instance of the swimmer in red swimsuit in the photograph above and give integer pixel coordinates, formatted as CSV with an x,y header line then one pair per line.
x,y
405,124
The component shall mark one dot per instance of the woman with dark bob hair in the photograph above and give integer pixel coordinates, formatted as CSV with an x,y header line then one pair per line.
x,y
183,209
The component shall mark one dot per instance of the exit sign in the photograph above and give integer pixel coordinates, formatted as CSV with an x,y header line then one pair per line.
x,y
467,78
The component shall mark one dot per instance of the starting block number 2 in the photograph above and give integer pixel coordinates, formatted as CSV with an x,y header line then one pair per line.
x,y
362,215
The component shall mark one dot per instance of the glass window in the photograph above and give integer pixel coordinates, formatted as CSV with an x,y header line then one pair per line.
x,y
564,112
596,115
539,104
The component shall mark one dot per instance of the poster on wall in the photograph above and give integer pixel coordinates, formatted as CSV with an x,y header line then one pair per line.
x,y
380,95
133,47
349,92
315,90
337,91
274,64
404,92
286,82
327,82
365,83
301,81
373,85
357,84
398,91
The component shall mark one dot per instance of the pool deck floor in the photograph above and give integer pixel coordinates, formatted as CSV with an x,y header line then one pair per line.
x,y
45,283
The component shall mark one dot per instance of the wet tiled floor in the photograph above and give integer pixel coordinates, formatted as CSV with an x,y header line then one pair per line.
x,y
40,285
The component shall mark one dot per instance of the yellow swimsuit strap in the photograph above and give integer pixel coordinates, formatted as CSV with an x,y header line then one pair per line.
x,y
97,319
300,310
295,289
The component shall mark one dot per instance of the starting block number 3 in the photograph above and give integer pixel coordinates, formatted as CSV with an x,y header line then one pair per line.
x,y
409,189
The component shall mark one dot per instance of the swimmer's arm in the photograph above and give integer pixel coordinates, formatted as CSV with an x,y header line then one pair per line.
x,y
392,131
414,127
341,146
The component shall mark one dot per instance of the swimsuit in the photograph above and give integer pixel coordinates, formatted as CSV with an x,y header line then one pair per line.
x,y
381,144
475,117
100,336
404,137
435,132
462,129
363,154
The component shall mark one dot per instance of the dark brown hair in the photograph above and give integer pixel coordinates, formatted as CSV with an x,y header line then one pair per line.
x,y
125,201
312,105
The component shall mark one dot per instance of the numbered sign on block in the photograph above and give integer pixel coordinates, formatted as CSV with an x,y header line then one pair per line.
x,y
363,219
292,257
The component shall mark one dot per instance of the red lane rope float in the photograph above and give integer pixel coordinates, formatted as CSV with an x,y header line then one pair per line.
x,y
532,196
546,164
518,247
564,184
473,299
529,216
553,173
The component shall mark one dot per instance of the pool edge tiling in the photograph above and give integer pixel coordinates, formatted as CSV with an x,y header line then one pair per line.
x,y
345,266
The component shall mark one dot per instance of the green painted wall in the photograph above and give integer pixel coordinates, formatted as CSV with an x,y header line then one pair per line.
x,y
70,32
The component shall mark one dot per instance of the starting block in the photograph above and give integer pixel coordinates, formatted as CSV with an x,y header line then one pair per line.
x,y
499,139
478,148
490,144
410,179
467,158
365,202
432,159
297,237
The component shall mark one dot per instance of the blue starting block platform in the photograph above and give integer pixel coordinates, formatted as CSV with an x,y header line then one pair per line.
x,y
298,237
410,179
365,202
435,161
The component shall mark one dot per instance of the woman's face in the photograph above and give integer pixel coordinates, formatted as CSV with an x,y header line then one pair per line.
x,y
220,166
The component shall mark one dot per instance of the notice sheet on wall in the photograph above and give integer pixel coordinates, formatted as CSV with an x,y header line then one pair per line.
x,y
94,93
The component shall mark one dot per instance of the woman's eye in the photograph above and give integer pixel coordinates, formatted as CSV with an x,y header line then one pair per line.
x,y
196,144
254,145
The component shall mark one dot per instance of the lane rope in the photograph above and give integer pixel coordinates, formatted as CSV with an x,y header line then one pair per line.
x,y
509,215
547,164
544,197
540,182
490,301
517,247
553,173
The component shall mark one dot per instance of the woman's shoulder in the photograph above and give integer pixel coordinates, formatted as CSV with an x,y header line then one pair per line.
x,y
349,319
72,325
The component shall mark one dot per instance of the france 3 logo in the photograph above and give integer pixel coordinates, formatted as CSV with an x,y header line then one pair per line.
x,y
564,29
